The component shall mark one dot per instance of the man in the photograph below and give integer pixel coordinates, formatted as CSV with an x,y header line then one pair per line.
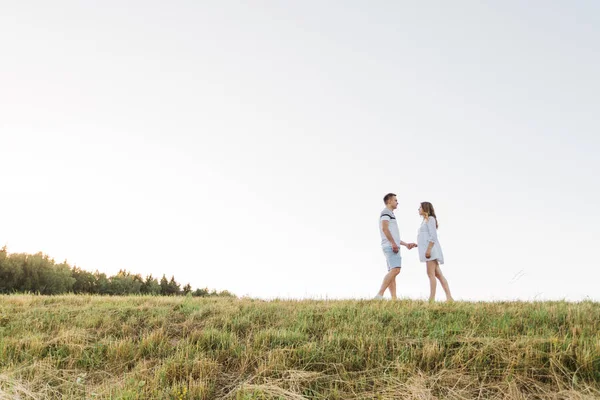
x,y
390,242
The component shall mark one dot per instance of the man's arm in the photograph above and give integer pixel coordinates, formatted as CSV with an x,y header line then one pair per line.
x,y
385,226
409,245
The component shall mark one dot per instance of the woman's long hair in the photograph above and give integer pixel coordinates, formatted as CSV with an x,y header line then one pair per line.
x,y
429,212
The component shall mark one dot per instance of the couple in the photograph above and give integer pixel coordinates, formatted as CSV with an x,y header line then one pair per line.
x,y
430,251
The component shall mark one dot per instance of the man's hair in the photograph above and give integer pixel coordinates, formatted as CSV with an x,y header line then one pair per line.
x,y
387,197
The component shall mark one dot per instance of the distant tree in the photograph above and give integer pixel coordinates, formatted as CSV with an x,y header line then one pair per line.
x,y
58,279
85,281
11,271
9,274
151,286
38,273
187,289
101,283
31,268
200,293
125,283
138,283
173,288
164,286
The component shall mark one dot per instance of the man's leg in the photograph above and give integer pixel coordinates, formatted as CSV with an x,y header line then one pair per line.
x,y
394,262
392,288
388,279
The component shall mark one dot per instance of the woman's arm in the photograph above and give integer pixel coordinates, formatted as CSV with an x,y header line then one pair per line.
x,y
432,235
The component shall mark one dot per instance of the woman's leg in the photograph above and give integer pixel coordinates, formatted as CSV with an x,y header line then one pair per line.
x,y
443,281
431,266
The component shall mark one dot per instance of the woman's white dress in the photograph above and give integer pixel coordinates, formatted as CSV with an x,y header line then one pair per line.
x,y
428,233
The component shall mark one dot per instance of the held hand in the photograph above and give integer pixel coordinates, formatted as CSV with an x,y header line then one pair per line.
x,y
395,248
412,245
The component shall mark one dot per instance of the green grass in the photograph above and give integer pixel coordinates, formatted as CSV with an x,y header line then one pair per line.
x,y
89,347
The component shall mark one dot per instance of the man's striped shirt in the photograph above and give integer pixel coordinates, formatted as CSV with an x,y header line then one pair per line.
x,y
388,215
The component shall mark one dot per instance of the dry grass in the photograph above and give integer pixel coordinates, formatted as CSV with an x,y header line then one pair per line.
x,y
88,347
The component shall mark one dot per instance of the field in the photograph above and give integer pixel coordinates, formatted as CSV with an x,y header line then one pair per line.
x,y
93,347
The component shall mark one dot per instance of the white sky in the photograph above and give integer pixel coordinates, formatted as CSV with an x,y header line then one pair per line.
x,y
247,147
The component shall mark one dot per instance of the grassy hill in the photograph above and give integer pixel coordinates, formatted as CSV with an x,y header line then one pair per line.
x,y
87,347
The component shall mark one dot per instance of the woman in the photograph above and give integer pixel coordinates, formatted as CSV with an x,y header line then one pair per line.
x,y
430,251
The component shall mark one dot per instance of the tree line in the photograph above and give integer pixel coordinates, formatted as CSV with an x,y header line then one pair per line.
x,y
38,273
